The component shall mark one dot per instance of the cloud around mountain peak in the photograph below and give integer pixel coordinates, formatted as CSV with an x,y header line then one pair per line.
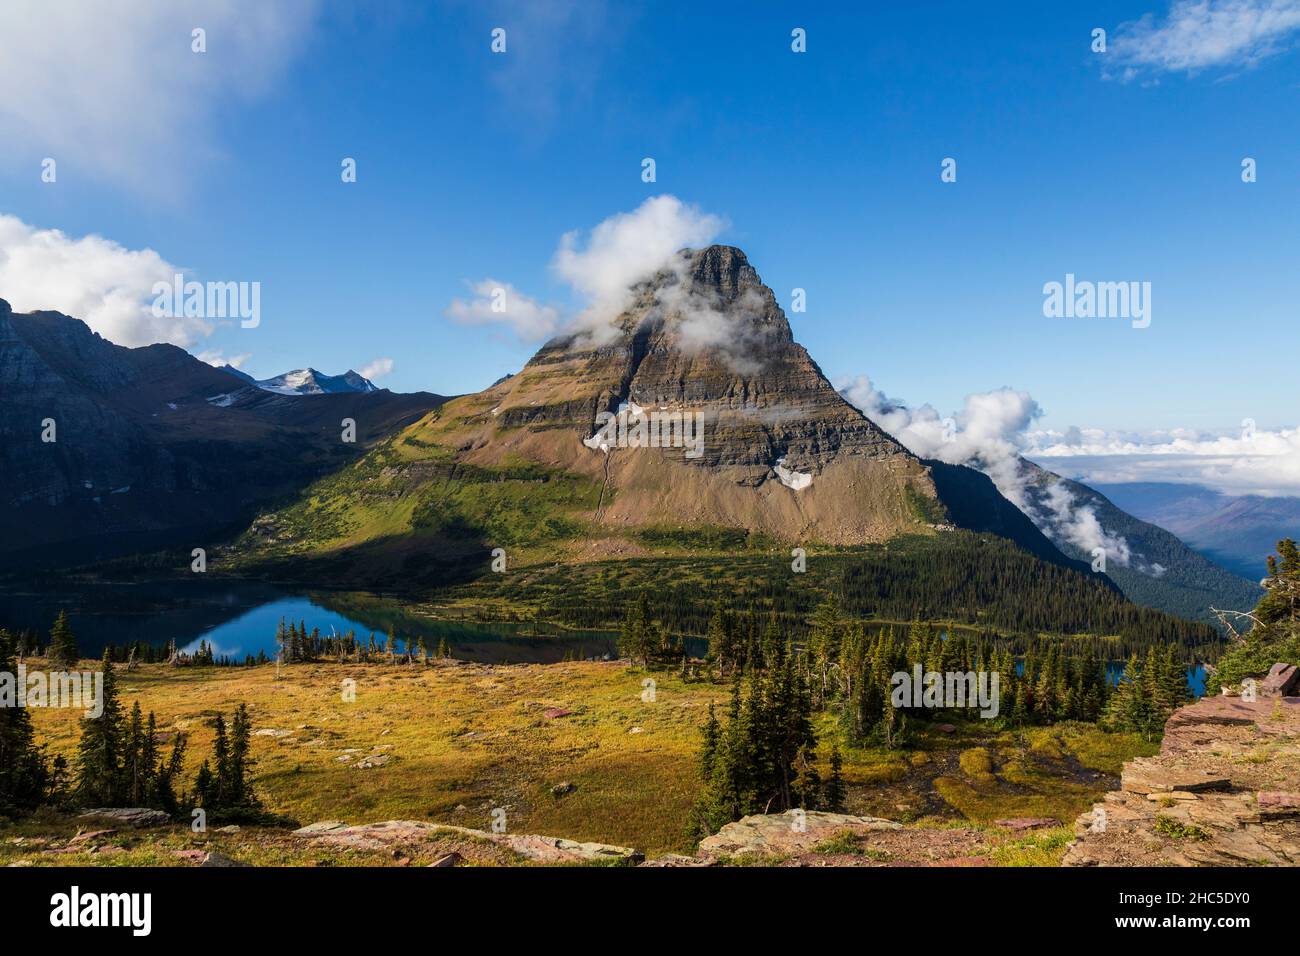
x,y
601,269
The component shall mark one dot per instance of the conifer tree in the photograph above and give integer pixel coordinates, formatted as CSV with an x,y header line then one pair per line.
x,y
134,773
25,778
835,792
240,741
1129,708
63,652
711,734
99,765
221,761
722,640
166,797
205,787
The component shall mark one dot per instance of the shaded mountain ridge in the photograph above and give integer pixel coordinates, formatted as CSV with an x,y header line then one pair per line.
x,y
105,450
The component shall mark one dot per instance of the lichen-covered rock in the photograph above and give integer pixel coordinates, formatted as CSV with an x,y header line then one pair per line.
x,y
776,834
129,816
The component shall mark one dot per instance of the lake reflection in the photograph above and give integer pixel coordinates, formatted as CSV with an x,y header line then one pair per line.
x,y
239,619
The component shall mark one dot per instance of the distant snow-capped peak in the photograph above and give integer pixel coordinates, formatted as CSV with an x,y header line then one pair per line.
x,y
308,381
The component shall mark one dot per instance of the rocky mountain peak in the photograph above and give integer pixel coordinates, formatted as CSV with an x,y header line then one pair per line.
x,y
724,268
703,336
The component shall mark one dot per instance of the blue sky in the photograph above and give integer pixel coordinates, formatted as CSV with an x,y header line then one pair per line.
x,y
825,165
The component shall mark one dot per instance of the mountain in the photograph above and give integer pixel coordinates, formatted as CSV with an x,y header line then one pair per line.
x,y
152,447
242,376
531,464
1237,531
308,381
1149,564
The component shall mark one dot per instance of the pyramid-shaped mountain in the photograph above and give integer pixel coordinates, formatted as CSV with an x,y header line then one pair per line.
x,y
753,439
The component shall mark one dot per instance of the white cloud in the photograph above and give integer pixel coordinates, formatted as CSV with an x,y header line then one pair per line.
x,y
986,434
1247,461
377,369
114,91
990,434
620,252
218,358
501,303
1200,34
94,279
627,248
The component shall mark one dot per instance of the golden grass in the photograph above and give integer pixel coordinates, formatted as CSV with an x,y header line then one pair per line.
x,y
462,739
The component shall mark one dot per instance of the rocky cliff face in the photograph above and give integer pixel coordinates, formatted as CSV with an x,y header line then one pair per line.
x,y
1223,791
708,337
780,451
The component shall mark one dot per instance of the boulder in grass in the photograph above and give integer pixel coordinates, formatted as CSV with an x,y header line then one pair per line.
x,y
778,834
1020,824
128,816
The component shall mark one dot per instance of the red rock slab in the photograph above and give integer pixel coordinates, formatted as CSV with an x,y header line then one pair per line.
x,y
1027,823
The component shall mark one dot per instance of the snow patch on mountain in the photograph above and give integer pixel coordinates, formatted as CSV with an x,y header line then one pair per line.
x,y
791,479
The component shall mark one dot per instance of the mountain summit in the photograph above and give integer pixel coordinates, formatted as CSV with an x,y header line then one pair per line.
x,y
707,336
691,411
306,381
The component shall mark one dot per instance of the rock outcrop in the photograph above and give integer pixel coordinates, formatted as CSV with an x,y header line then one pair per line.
x,y
819,839
1223,791
777,834
129,816
403,835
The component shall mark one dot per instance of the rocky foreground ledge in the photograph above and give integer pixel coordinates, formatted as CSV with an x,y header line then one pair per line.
x,y
1223,791
464,844
786,839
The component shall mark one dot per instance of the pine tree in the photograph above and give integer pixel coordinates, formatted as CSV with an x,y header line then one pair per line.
x,y
835,792
134,772
25,778
712,735
809,794
639,637
240,740
99,754
166,797
773,645
149,760
1129,708
721,636
221,760
63,652
205,788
